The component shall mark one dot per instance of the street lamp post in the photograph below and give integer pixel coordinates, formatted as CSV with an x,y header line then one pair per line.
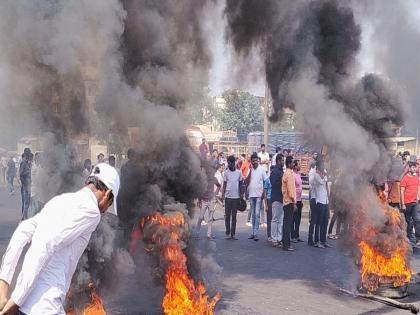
x,y
266,113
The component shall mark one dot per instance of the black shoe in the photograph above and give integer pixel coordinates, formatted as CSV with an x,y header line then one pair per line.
x,y
256,238
289,249
251,237
300,240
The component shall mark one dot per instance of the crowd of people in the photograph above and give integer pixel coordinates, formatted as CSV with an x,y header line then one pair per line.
x,y
26,171
272,186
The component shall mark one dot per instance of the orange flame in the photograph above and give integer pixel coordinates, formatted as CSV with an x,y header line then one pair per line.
x,y
95,307
182,295
386,263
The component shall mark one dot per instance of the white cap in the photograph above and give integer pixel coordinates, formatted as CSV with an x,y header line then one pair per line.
x,y
109,176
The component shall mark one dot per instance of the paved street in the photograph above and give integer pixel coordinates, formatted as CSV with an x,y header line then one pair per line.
x,y
255,278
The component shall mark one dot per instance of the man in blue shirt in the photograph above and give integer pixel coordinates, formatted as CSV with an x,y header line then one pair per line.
x,y
267,201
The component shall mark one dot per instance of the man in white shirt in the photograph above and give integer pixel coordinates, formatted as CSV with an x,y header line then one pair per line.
x,y
313,215
273,159
255,180
265,158
321,190
232,191
219,177
58,235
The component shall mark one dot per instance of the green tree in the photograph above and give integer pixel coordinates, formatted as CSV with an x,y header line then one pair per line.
x,y
243,112
203,112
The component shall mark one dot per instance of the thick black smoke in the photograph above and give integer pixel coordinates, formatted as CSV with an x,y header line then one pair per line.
x,y
319,41
73,72
289,34
164,50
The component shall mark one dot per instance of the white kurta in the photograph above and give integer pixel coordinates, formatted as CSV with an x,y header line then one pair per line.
x,y
58,235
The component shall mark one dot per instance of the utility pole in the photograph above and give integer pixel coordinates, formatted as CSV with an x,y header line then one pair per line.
x,y
266,113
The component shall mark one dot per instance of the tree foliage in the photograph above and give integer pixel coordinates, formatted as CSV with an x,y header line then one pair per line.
x,y
202,113
243,112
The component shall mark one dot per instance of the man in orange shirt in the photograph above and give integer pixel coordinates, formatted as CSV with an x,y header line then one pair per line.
x,y
289,202
246,164
394,196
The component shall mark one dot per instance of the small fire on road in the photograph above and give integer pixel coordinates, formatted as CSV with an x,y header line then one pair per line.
x,y
383,249
95,307
182,295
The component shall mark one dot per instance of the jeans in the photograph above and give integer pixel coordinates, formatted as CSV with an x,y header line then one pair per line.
x,y
10,180
269,217
206,207
339,219
322,223
313,220
277,221
262,211
413,221
26,201
297,216
231,209
255,213
287,224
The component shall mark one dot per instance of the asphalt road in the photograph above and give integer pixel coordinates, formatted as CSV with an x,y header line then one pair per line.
x,y
253,277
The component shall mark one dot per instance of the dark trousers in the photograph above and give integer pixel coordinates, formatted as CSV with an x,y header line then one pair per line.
x,y
20,313
297,216
336,217
287,224
322,223
313,219
10,181
26,200
413,221
395,205
231,208
269,217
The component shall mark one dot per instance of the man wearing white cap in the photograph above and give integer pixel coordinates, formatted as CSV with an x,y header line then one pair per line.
x,y
58,235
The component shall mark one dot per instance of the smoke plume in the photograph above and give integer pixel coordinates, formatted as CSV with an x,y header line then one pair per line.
x,y
310,51
392,37
71,72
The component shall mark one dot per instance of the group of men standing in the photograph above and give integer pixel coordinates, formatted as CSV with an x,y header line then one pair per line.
x,y
275,191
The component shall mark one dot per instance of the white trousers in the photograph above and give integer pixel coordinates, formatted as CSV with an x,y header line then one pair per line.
x,y
277,221
207,207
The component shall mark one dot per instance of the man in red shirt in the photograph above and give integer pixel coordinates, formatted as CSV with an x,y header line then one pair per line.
x,y
410,194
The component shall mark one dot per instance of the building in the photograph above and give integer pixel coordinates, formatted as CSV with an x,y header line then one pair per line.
x,y
403,143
